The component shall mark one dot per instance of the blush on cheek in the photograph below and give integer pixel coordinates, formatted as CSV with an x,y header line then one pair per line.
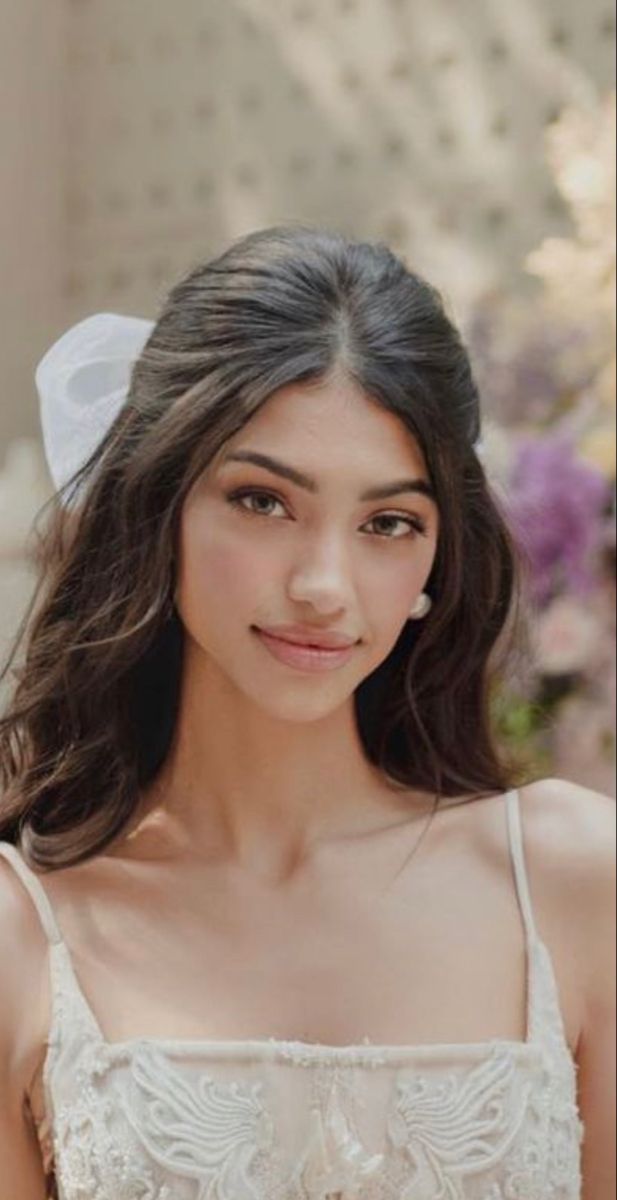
x,y
215,571
393,592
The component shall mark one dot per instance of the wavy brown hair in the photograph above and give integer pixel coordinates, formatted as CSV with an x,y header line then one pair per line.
x,y
95,697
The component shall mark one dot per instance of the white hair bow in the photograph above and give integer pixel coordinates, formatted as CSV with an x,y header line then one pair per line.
x,y
83,382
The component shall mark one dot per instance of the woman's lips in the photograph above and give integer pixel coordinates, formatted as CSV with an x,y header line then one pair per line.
x,y
305,658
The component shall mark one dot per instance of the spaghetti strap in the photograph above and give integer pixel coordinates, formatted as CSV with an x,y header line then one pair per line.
x,y
37,892
518,861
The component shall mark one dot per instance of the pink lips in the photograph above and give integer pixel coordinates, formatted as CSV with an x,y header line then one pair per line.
x,y
315,655
303,635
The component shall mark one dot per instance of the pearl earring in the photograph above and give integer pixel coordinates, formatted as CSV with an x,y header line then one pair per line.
x,y
422,606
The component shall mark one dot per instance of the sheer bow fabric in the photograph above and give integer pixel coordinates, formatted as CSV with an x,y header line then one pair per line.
x,y
82,382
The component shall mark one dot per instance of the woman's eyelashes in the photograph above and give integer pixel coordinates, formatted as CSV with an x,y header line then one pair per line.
x,y
415,525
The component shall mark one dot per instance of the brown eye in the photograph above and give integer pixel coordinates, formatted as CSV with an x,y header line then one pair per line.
x,y
413,525
236,499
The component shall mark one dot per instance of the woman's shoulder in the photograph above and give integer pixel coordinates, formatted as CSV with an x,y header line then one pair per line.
x,y
22,936
571,826
570,845
24,980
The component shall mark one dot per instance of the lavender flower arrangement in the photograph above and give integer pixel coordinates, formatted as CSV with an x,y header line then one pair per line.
x,y
545,366
558,512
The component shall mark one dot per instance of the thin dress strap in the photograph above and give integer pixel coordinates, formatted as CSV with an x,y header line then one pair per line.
x,y
518,861
37,892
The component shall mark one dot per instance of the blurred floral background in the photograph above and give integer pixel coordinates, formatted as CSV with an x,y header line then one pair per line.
x,y
478,140
548,366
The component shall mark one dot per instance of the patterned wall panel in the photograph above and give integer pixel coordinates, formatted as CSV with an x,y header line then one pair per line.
x,y
189,124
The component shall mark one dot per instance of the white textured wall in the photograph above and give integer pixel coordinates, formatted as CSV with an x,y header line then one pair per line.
x,y
137,137
33,257
418,122
33,167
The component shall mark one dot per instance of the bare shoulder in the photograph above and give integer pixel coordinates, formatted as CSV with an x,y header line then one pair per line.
x,y
24,985
573,827
22,938
570,840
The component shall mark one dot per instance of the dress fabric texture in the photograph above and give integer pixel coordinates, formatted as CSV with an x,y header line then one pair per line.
x,y
158,1119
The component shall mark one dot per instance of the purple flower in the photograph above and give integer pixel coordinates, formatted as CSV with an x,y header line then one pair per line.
x,y
556,505
526,364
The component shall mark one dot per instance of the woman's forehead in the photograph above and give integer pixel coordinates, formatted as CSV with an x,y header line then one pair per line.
x,y
327,421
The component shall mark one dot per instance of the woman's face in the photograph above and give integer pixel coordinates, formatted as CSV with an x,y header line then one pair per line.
x,y
258,550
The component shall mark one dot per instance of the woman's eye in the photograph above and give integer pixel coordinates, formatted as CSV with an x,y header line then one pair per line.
x,y
236,499
411,526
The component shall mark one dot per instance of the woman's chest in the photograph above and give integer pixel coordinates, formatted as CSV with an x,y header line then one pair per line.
x,y
341,958
367,941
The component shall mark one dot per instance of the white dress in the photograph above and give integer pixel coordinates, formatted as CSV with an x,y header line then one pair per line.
x,y
159,1119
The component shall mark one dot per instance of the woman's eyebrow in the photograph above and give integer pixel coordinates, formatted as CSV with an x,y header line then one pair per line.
x,y
419,486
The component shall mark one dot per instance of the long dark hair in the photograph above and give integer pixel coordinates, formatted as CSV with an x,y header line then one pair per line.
x,y
95,697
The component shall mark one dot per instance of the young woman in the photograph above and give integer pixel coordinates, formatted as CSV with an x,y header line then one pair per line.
x,y
277,921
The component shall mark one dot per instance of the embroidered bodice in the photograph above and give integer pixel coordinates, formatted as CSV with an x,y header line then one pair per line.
x,y
154,1119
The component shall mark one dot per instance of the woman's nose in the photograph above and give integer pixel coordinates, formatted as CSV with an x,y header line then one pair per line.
x,y
323,578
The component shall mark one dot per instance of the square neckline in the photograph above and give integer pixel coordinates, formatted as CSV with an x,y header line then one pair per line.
x,y
284,1049
273,1047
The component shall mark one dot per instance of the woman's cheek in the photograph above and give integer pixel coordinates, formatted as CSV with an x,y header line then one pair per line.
x,y
230,571
392,595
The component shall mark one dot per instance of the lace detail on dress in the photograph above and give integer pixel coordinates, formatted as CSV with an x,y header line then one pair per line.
x,y
459,1127
138,1123
141,1128
203,1131
566,1131
334,1161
